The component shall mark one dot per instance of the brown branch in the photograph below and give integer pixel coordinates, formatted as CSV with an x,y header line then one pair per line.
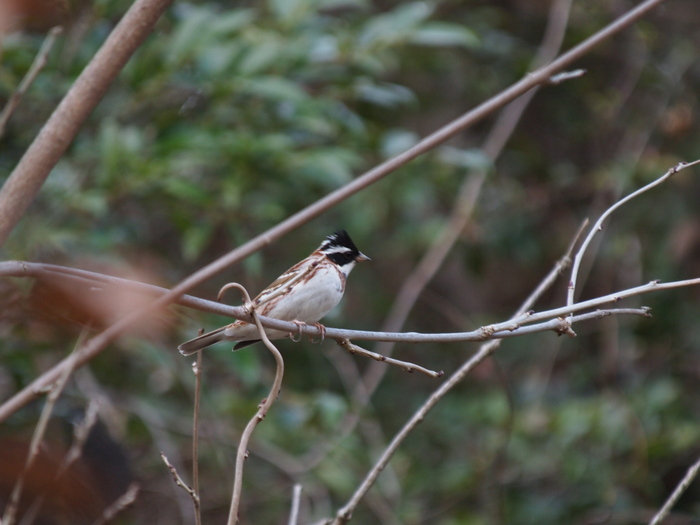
x,y
197,369
96,345
65,122
179,481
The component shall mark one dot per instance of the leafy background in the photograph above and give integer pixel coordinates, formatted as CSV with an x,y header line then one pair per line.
x,y
230,118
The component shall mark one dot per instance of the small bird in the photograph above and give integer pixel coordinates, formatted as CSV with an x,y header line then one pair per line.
x,y
304,294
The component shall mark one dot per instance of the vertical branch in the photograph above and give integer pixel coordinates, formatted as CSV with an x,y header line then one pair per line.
x,y
63,125
197,368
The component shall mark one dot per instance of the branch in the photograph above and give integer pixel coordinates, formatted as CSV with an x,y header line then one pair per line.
x,y
408,367
119,505
94,346
294,512
180,482
677,493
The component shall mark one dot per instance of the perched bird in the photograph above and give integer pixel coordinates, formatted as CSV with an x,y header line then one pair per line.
x,y
305,294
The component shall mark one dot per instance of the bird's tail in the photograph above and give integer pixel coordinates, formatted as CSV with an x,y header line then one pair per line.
x,y
198,343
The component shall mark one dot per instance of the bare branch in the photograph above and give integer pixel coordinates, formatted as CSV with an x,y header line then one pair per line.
x,y
180,482
119,505
677,493
34,70
197,369
296,498
566,75
408,367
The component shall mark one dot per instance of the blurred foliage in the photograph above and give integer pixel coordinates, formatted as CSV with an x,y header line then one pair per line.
x,y
229,119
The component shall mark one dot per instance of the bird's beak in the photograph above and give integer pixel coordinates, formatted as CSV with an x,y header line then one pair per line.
x,y
362,257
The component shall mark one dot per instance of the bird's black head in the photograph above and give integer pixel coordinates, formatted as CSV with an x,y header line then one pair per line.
x,y
340,249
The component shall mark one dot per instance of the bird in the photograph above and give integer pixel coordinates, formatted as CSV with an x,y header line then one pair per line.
x,y
303,294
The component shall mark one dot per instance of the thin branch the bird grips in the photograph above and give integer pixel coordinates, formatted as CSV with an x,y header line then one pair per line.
x,y
598,226
263,408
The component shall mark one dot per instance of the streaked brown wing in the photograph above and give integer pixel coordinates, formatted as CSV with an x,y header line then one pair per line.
x,y
283,279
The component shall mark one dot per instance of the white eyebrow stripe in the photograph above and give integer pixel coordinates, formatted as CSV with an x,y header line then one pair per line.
x,y
336,249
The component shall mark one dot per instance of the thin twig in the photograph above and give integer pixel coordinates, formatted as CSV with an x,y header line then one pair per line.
x,y
197,369
179,481
263,409
34,70
677,493
408,367
566,75
296,498
119,505
81,433
93,347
